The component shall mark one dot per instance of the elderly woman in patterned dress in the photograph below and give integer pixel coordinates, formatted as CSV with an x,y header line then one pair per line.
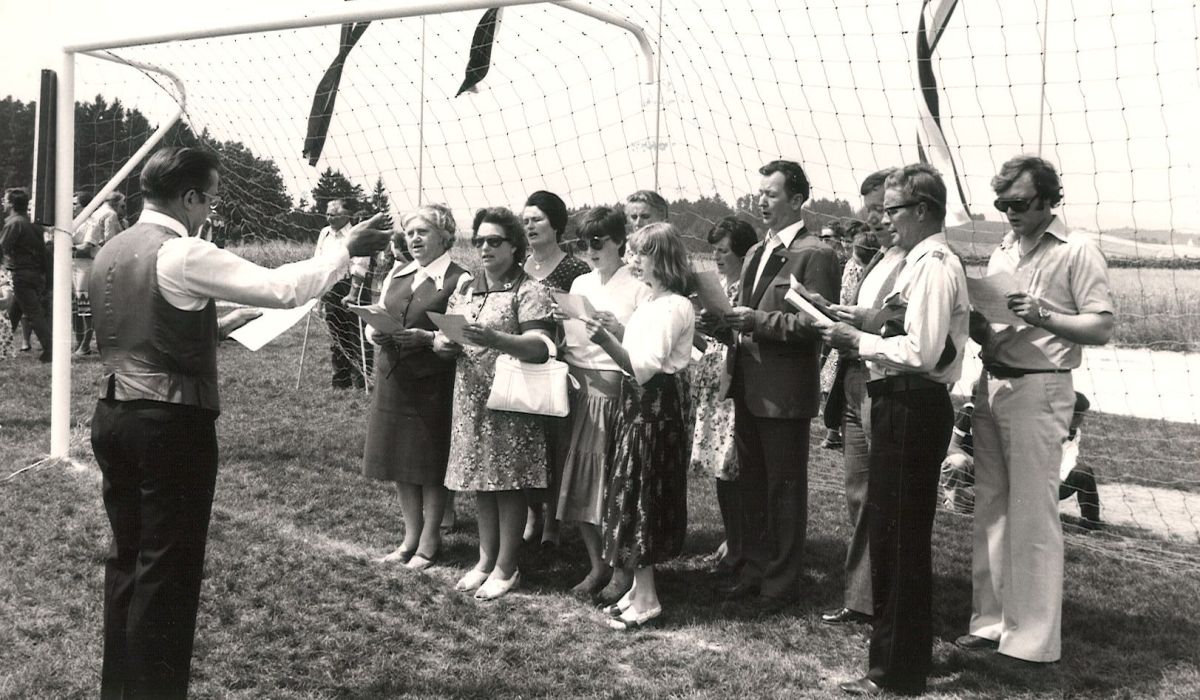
x,y
712,443
496,454
408,429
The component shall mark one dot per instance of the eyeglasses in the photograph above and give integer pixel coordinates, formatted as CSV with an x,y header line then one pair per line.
x,y
212,199
593,242
489,241
1018,206
893,210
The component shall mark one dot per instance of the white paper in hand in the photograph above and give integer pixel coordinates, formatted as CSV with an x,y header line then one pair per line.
x,y
378,318
712,294
574,305
800,301
273,322
451,325
989,296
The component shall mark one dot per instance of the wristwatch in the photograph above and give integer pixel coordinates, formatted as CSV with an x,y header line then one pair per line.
x,y
1043,315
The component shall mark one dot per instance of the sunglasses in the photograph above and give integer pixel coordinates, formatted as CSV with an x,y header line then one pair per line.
x,y
1018,206
489,241
593,242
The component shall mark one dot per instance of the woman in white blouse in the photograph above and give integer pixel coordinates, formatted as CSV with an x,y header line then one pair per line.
x,y
614,292
645,508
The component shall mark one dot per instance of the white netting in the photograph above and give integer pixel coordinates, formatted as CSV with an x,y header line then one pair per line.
x,y
834,85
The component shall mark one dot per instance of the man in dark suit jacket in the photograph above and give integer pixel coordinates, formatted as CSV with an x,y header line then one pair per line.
x,y
772,377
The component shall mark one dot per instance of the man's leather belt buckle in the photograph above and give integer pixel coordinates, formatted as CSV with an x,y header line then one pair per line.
x,y
901,383
1005,372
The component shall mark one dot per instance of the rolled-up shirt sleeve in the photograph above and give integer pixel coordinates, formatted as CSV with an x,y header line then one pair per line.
x,y
192,270
655,336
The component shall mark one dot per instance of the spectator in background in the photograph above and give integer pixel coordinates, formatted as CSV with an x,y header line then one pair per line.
x,y
7,298
349,351
645,207
1023,412
713,451
24,251
99,228
1076,479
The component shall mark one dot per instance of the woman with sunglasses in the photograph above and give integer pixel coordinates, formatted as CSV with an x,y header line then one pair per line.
x,y
496,454
614,292
408,429
545,217
645,507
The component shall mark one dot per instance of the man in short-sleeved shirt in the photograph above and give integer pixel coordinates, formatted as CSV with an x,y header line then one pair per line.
x,y
1023,409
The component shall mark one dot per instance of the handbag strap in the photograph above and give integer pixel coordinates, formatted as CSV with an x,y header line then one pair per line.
x,y
550,347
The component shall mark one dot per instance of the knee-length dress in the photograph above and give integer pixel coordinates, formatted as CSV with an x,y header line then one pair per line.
x,y
408,426
596,406
645,507
713,452
495,450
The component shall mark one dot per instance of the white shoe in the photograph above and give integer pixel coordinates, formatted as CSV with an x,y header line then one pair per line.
x,y
495,586
472,580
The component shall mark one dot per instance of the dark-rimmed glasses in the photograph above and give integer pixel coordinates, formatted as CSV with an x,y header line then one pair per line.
x,y
1018,206
489,241
593,242
213,199
895,208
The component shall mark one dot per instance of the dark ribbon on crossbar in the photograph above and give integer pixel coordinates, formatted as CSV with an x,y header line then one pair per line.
x,y
937,151
321,114
480,59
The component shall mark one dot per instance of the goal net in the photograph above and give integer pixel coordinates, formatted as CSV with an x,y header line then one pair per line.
x,y
1104,89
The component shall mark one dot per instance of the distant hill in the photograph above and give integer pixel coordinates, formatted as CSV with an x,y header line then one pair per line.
x,y
979,238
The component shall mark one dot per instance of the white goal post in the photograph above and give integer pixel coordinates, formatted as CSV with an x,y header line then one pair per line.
x,y
64,162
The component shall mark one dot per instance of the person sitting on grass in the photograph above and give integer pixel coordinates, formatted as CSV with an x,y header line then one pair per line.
x,y
645,506
1079,480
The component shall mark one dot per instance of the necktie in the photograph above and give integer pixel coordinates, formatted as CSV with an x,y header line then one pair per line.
x,y
769,247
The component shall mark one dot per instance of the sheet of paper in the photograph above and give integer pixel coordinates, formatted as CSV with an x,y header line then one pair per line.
x,y
820,320
273,322
378,318
452,325
574,305
576,332
989,296
711,292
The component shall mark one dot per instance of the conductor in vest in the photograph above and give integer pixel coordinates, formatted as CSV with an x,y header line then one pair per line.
x,y
154,289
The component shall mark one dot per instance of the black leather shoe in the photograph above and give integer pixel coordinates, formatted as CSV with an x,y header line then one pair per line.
x,y
845,616
862,686
972,642
739,590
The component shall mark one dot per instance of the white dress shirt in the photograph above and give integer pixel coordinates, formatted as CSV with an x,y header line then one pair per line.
x,y
619,296
658,337
933,287
775,240
192,270
869,288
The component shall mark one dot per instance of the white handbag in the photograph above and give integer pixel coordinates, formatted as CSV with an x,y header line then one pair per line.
x,y
529,387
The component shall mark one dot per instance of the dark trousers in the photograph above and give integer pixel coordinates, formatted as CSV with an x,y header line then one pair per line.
x,y
346,340
856,429
159,463
773,479
29,288
909,434
729,500
1081,483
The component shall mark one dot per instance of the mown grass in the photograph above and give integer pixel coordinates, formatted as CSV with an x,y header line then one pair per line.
x,y
293,606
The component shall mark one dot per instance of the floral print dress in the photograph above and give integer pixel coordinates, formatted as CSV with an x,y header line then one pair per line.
x,y
713,452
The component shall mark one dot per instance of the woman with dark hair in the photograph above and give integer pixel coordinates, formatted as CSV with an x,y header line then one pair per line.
x,y
545,218
496,454
713,452
408,429
614,292
645,508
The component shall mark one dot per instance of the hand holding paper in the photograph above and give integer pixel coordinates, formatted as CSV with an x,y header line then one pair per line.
x,y
815,307
711,293
378,318
451,325
574,305
989,296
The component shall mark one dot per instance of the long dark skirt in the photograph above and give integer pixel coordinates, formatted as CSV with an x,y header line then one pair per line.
x,y
645,508
408,428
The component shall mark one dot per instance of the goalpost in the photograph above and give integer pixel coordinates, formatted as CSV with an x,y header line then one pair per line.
x,y
60,398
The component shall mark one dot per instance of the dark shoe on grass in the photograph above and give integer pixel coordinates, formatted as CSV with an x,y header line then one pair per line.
x,y
845,616
972,642
862,686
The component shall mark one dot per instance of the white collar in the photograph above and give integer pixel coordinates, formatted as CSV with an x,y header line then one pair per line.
x,y
789,233
149,216
435,271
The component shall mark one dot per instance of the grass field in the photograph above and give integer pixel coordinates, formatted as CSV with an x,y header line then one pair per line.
x,y
293,606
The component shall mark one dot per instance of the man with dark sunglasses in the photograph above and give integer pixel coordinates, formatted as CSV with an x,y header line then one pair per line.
x,y
1023,407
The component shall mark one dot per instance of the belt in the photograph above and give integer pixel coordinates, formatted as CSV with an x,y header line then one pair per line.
x,y
1005,372
900,383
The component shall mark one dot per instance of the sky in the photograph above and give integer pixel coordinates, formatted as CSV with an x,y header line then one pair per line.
x,y
831,84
